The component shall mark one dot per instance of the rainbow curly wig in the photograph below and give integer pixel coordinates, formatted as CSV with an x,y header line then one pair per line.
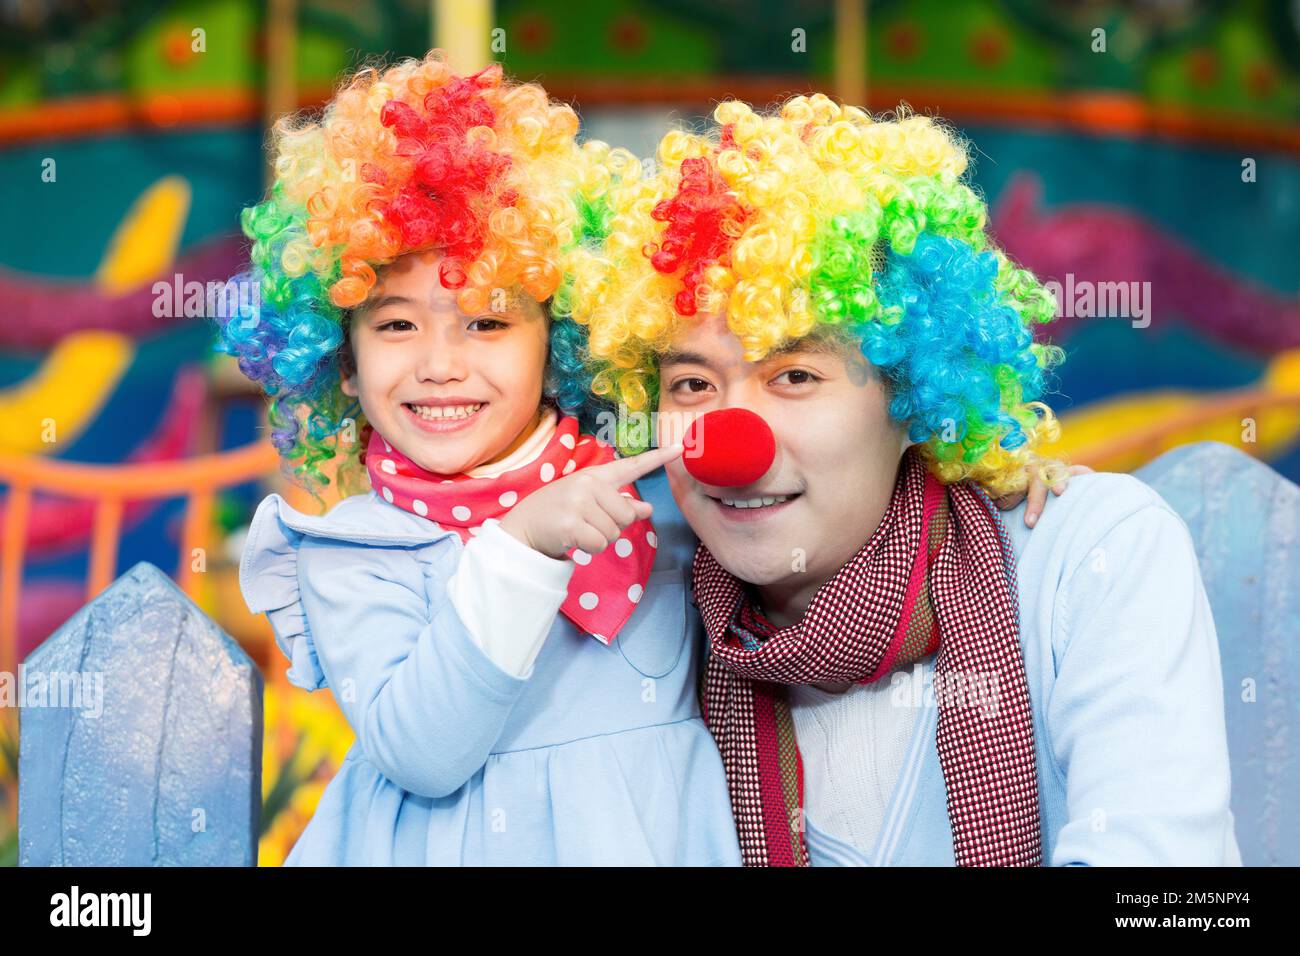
x,y
409,158
820,219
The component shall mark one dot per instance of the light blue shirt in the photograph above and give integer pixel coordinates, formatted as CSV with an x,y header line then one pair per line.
x,y
599,757
1122,662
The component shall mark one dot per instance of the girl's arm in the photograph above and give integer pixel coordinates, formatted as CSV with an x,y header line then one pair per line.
x,y
426,701
1136,719
507,595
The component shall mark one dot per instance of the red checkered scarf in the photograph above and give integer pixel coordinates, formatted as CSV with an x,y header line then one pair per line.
x,y
892,603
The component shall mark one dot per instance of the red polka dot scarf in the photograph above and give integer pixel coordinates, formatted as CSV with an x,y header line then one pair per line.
x,y
605,587
938,574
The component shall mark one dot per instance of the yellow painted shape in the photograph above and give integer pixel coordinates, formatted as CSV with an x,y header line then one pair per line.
x,y
1092,428
146,241
67,391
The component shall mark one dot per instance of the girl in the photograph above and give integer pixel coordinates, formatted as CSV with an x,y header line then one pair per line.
x,y
505,631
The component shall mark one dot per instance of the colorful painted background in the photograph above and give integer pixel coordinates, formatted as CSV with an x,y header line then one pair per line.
x,y
1170,159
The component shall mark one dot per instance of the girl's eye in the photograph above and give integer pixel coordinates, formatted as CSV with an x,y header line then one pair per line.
x,y
491,324
798,376
389,324
691,382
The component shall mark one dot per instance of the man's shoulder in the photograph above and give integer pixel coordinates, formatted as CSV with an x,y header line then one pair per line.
x,y
1091,506
1104,494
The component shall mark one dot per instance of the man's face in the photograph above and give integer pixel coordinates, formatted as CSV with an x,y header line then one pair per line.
x,y
837,453
478,378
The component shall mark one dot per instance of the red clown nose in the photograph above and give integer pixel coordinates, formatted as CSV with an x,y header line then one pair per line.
x,y
729,448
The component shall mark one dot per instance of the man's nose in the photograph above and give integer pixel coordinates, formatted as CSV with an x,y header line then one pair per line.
x,y
729,447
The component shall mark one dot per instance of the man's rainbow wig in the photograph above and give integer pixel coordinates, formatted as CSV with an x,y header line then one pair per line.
x,y
821,219
485,171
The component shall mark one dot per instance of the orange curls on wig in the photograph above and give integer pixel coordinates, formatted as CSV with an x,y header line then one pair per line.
x,y
417,157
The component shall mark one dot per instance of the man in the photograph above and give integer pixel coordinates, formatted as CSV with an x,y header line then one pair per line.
x,y
1054,696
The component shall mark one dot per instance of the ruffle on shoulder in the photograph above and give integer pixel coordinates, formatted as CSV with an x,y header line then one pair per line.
x,y
268,568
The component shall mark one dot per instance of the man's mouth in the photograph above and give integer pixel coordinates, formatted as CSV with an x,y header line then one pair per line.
x,y
748,509
761,502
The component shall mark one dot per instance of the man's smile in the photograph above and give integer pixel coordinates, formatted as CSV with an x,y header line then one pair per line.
x,y
755,508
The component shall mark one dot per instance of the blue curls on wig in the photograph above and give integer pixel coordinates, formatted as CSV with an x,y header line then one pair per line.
x,y
956,354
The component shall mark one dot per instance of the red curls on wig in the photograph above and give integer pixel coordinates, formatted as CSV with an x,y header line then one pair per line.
x,y
444,204
704,218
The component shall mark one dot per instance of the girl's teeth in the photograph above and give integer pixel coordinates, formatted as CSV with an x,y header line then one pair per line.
x,y
754,502
445,411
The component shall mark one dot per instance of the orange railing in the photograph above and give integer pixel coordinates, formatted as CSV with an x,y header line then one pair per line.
x,y
198,479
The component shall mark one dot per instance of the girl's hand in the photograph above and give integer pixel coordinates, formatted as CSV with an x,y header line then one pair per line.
x,y
1037,493
585,509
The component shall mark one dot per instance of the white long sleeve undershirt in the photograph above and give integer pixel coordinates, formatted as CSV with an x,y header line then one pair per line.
x,y
495,563
507,595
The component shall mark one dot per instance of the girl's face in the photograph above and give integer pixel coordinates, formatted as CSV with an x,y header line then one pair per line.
x,y
450,391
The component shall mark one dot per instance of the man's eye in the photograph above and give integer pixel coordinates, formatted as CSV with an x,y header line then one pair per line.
x,y
389,324
489,325
692,383
798,376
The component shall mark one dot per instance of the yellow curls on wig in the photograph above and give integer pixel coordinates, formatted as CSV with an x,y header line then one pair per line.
x,y
817,218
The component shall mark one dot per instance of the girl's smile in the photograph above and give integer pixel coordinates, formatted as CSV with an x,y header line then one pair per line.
x,y
438,416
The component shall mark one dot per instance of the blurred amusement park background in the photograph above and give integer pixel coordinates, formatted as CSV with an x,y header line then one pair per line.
x,y
1154,145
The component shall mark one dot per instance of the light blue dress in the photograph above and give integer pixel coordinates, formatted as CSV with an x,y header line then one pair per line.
x,y
1122,661
599,757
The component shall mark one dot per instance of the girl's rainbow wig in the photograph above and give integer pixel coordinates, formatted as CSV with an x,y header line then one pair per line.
x,y
818,220
411,158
